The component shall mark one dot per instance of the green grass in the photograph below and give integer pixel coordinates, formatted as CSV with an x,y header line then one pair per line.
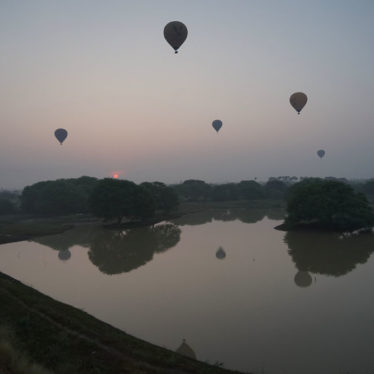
x,y
13,361
23,227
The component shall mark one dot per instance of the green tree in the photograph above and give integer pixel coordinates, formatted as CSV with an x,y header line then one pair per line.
x,y
143,204
328,204
113,199
250,190
225,192
6,206
368,188
63,196
194,190
166,199
275,188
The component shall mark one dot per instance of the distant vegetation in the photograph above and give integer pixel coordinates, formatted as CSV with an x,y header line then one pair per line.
x,y
118,199
9,202
63,196
198,190
108,198
327,204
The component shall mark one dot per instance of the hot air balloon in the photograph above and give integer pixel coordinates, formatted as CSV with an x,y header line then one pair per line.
x,y
61,135
175,34
298,101
220,254
321,153
217,124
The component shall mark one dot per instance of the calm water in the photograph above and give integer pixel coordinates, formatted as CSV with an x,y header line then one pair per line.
x,y
237,290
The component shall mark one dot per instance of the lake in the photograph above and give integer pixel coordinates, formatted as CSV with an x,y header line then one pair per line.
x,y
240,293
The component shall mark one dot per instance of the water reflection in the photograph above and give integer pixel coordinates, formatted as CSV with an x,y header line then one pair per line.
x,y
275,214
220,254
185,350
242,214
64,255
303,279
326,253
80,235
115,252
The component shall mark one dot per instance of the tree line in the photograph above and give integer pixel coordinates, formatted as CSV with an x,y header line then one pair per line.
x,y
198,190
109,198
106,198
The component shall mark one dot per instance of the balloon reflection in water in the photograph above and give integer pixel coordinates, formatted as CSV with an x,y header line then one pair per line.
x,y
220,254
185,350
303,279
64,255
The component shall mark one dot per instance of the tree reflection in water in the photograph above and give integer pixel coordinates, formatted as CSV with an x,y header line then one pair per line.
x,y
245,215
80,235
327,253
115,252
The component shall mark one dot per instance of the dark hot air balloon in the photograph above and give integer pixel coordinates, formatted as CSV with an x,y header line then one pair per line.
x,y
321,153
298,101
217,124
61,135
175,34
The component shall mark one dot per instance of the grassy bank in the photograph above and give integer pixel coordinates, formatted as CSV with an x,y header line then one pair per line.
x,y
15,228
57,338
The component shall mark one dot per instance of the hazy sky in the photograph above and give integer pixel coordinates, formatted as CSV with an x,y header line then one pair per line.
x,y
102,70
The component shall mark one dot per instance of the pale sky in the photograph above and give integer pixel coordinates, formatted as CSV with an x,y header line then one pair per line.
x,y
103,71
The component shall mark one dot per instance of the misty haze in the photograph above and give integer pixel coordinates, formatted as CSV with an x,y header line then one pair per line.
x,y
186,187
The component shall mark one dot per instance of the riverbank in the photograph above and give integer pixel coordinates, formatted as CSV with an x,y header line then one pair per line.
x,y
61,339
19,227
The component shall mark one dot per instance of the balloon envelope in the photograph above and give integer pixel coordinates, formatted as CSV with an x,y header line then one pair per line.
x,y
321,153
175,34
217,124
61,135
298,101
